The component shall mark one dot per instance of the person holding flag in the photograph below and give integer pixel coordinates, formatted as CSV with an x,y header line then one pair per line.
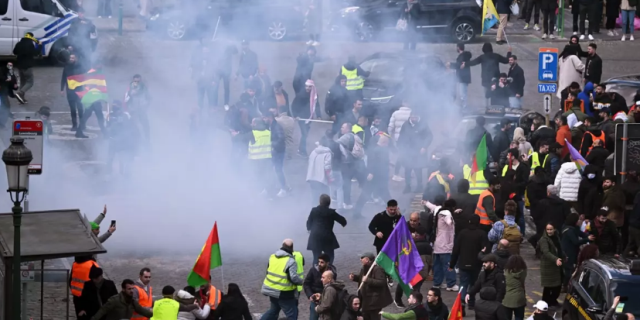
x,y
373,287
415,311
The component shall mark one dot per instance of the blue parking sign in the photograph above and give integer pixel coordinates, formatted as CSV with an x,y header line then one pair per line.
x,y
548,65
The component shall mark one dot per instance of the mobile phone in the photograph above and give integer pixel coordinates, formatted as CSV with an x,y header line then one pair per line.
x,y
113,223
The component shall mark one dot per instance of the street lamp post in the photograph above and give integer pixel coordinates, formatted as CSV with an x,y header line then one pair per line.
x,y
17,158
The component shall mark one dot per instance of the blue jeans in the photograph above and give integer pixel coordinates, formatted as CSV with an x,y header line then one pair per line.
x,y
441,269
313,315
288,306
515,103
628,16
468,278
317,253
521,224
462,93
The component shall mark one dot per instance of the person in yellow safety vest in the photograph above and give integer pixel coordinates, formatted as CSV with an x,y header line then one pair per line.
x,y
438,183
486,207
282,279
359,130
539,158
259,152
481,177
143,292
166,308
355,77
122,305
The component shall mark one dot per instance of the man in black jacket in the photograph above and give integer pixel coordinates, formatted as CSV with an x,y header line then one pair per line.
x,y
248,66
597,155
491,276
500,91
593,65
95,293
313,281
606,233
26,50
516,87
501,140
72,68
462,74
488,307
337,102
465,255
633,247
465,201
541,132
278,148
383,224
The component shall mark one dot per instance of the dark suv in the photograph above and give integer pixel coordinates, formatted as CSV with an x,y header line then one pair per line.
x,y
459,19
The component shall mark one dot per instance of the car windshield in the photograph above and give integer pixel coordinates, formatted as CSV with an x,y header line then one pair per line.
x,y
630,291
491,125
384,69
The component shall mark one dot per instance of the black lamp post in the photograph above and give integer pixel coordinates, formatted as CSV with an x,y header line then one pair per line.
x,y
17,158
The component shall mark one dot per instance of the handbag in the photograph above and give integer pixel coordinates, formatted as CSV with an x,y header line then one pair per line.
x,y
515,9
401,25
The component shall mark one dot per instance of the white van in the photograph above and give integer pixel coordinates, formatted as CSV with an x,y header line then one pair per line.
x,y
48,20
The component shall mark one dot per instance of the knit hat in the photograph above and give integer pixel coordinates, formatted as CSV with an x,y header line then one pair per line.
x,y
94,226
184,295
95,272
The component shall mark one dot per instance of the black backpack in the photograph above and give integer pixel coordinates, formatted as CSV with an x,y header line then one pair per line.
x,y
341,304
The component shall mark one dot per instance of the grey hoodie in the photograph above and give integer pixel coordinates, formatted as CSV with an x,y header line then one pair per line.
x,y
319,167
346,142
291,269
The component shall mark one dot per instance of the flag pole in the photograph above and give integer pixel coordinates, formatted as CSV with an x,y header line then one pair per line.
x,y
222,274
366,275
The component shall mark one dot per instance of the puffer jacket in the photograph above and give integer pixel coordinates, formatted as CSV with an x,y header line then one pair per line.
x,y
568,181
190,311
319,165
398,118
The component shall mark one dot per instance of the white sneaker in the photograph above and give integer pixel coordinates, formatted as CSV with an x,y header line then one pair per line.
x,y
347,206
631,38
552,37
282,193
354,180
526,26
226,107
575,33
590,37
99,17
582,37
536,27
109,17
309,42
454,288
623,38
610,33
315,43
544,36
397,178
443,286
555,28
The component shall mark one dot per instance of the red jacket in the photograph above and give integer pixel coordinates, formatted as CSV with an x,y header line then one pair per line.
x,y
563,133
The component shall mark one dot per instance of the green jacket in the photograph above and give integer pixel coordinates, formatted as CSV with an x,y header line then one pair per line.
x,y
515,295
120,307
550,273
409,315
576,110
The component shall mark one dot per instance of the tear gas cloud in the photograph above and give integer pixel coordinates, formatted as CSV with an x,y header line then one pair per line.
x,y
180,186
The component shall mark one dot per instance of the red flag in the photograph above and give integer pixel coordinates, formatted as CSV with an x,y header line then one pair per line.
x,y
456,309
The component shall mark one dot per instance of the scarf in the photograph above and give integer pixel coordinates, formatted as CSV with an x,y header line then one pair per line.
x,y
313,98
29,36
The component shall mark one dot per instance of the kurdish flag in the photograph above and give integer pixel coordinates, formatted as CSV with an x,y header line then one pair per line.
x,y
86,79
400,259
479,157
208,259
489,14
576,157
90,87
456,310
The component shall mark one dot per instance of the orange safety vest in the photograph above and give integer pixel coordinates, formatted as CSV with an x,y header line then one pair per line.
x,y
450,176
569,103
145,300
80,275
215,296
594,138
481,211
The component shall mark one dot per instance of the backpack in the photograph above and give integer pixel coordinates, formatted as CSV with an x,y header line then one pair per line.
x,y
342,300
513,235
358,148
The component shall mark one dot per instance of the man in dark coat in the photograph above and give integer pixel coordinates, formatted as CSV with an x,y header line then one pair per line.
x,y
516,87
465,252
374,289
95,293
337,102
302,108
383,224
413,142
490,66
598,155
488,308
606,234
320,227
313,281
248,66
465,201
589,193
26,50
551,209
593,65
462,74
501,140
304,68
491,276
278,148
541,133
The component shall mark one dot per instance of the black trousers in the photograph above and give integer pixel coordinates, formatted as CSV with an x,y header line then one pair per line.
x,y
224,78
96,108
533,6
576,18
550,295
588,13
75,106
633,245
548,20
371,314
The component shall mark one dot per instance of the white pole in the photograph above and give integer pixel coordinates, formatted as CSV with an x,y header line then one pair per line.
x,y
367,275
314,120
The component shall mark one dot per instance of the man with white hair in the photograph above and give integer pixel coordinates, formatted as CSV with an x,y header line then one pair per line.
x,y
284,275
550,210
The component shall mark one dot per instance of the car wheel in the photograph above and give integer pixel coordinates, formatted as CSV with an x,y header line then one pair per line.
x,y
176,29
364,32
277,30
463,31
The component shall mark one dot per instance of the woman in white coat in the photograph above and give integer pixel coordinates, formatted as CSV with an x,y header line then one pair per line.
x,y
571,68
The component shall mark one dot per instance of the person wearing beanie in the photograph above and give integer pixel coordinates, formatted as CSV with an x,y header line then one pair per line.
x,y
96,292
95,226
166,308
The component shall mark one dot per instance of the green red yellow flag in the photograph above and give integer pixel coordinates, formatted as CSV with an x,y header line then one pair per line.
x,y
479,158
90,87
208,259
94,79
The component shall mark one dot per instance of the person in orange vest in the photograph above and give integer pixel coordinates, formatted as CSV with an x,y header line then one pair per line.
x,y
143,293
592,133
79,275
486,207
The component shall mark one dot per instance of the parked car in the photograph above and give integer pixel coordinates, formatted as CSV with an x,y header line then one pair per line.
x,y
458,19
248,19
627,86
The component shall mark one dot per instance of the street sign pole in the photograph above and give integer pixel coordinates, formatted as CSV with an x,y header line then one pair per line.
x,y
548,76
547,107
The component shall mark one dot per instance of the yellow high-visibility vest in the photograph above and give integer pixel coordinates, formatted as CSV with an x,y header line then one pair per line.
x,y
261,149
535,161
299,259
165,309
481,183
277,278
356,128
354,81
